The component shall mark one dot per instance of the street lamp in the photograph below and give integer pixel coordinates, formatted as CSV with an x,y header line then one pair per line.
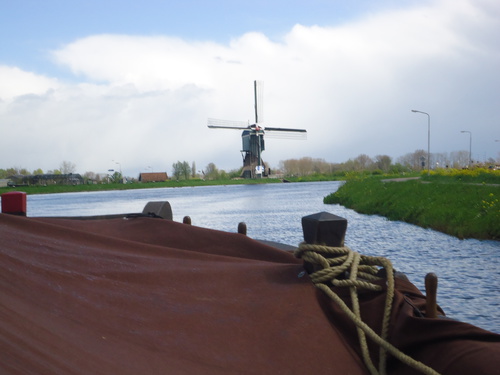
x,y
118,163
470,145
428,139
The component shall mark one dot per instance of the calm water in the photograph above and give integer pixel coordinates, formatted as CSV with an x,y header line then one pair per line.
x,y
468,270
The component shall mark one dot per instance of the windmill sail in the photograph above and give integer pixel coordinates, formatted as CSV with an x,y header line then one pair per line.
x,y
258,87
286,130
214,123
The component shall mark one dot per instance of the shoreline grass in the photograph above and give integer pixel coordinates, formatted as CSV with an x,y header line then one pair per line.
x,y
53,189
315,177
463,210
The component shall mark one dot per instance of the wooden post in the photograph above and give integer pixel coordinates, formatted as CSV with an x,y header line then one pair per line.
x,y
431,283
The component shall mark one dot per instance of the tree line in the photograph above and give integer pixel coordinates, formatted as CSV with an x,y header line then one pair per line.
x,y
182,170
66,167
410,162
304,166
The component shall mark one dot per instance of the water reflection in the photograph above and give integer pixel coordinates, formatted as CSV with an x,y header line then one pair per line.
x,y
468,270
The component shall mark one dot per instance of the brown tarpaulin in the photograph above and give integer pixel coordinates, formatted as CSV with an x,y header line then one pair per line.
x,y
152,296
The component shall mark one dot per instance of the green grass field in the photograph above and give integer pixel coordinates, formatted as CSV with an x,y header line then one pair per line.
x,y
51,189
445,203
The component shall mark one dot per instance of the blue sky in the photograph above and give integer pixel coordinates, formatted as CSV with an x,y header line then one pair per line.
x,y
94,81
30,29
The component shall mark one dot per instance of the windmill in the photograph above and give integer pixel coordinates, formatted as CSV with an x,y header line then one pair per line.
x,y
253,137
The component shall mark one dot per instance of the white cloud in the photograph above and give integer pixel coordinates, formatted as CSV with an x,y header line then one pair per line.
x,y
144,100
16,82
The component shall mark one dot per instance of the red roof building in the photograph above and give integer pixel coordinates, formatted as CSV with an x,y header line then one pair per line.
x,y
153,177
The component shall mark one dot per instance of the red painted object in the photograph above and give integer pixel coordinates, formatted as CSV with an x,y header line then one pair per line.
x,y
14,203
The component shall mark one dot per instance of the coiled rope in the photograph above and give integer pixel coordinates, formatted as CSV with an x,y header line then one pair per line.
x,y
331,265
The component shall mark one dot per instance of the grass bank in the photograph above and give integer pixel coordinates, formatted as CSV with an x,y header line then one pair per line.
x,y
464,210
51,189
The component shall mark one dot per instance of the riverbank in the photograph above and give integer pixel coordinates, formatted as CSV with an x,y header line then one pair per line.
x,y
464,204
461,209
51,189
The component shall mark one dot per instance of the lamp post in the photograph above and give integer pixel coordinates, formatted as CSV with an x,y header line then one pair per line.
x,y
428,140
118,163
470,146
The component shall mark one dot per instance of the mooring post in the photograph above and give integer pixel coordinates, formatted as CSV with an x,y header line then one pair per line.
x,y
186,220
14,203
324,229
161,209
242,228
431,284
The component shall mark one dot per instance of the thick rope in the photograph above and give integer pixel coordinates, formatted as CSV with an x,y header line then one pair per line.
x,y
333,264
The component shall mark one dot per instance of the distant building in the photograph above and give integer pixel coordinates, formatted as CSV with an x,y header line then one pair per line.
x,y
153,177
48,179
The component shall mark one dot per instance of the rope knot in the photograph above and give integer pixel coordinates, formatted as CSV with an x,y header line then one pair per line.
x,y
341,267
335,265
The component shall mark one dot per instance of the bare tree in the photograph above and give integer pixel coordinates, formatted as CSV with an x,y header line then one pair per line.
x,y
441,160
383,162
363,162
211,172
304,166
414,160
193,170
186,170
90,175
181,169
67,167
14,171
177,170
459,159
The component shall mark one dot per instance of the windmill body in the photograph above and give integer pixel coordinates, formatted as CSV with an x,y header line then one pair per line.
x,y
252,138
252,147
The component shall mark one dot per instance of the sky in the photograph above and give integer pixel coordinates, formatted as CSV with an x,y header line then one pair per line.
x,y
129,85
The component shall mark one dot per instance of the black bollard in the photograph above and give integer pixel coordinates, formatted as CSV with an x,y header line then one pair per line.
x,y
242,228
161,209
186,220
324,228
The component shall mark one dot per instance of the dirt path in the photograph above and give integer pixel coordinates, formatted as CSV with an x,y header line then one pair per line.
x,y
399,179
